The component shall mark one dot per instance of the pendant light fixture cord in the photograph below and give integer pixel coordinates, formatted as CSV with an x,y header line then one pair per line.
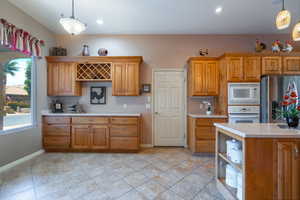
x,y
73,12
283,8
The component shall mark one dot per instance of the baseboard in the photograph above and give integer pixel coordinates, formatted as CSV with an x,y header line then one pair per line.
x,y
21,160
146,145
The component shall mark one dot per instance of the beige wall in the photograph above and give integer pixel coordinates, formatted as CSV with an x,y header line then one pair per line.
x,y
17,145
157,51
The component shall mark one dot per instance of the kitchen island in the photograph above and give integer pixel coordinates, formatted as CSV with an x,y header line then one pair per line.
x,y
91,132
269,167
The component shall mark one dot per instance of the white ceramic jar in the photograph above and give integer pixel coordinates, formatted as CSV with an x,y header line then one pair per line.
x,y
234,152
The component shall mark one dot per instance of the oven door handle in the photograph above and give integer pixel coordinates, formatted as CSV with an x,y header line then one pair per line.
x,y
245,116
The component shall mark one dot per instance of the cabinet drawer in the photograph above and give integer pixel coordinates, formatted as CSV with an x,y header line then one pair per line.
x,y
124,120
59,142
124,143
90,120
124,131
57,120
205,146
56,130
209,121
205,133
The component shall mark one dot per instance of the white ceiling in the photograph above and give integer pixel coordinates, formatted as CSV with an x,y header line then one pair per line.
x,y
163,16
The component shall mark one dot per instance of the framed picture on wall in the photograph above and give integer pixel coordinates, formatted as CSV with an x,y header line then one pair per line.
x,y
98,95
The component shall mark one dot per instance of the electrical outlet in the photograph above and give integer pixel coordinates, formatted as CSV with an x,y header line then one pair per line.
x,y
124,105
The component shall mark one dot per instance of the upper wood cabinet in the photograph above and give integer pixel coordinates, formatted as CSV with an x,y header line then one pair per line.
x,y
126,80
252,68
291,65
235,68
62,79
203,77
243,69
271,65
65,74
288,170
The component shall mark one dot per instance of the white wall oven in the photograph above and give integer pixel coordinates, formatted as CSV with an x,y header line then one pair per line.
x,y
243,93
243,114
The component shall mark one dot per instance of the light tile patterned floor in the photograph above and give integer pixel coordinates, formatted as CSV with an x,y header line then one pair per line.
x,y
159,173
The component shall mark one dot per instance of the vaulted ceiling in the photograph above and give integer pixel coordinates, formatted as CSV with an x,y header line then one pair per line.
x,y
163,16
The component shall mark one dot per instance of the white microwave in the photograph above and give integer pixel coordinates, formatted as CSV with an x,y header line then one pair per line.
x,y
243,93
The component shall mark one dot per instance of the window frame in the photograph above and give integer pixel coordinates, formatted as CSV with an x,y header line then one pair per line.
x,y
33,102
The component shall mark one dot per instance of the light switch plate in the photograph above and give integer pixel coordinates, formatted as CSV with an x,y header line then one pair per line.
x,y
125,106
148,99
148,106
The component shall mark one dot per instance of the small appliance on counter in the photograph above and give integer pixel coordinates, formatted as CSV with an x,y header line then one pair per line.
x,y
76,108
208,107
57,107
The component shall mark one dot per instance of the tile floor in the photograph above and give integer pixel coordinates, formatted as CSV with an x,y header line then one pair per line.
x,y
159,173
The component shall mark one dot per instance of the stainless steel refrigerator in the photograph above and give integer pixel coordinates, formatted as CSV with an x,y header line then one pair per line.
x,y
271,95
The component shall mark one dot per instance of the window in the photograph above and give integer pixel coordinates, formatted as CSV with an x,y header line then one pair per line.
x,y
17,102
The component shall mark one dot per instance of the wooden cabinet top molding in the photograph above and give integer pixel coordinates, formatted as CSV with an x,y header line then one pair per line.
x,y
82,59
244,54
198,58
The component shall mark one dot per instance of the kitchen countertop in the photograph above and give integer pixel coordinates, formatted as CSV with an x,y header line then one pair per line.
x,y
46,113
201,115
259,130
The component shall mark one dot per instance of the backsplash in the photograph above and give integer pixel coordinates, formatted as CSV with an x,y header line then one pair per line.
x,y
113,104
195,102
124,104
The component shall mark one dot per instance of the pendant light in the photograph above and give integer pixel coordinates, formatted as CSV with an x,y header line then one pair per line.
x,y
283,18
71,24
296,32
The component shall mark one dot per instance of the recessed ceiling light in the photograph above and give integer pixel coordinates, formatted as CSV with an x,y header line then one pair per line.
x,y
218,10
100,21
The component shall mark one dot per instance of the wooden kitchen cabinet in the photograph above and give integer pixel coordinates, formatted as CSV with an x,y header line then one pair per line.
x,y
90,137
235,71
201,134
99,137
81,136
125,81
203,77
271,65
56,133
288,170
62,79
91,133
252,69
291,65
243,68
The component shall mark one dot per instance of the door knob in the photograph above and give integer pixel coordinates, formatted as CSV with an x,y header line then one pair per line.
x,y
156,113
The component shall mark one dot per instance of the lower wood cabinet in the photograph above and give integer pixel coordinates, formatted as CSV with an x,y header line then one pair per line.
x,y
287,169
91,133
81,136
201,134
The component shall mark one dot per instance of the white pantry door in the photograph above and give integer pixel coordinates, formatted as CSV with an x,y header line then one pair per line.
x,y
169,94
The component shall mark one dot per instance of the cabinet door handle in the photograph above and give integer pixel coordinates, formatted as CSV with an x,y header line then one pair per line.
x,y
296,152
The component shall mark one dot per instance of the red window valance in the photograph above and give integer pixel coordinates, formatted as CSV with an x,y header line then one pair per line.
x,y
19,39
